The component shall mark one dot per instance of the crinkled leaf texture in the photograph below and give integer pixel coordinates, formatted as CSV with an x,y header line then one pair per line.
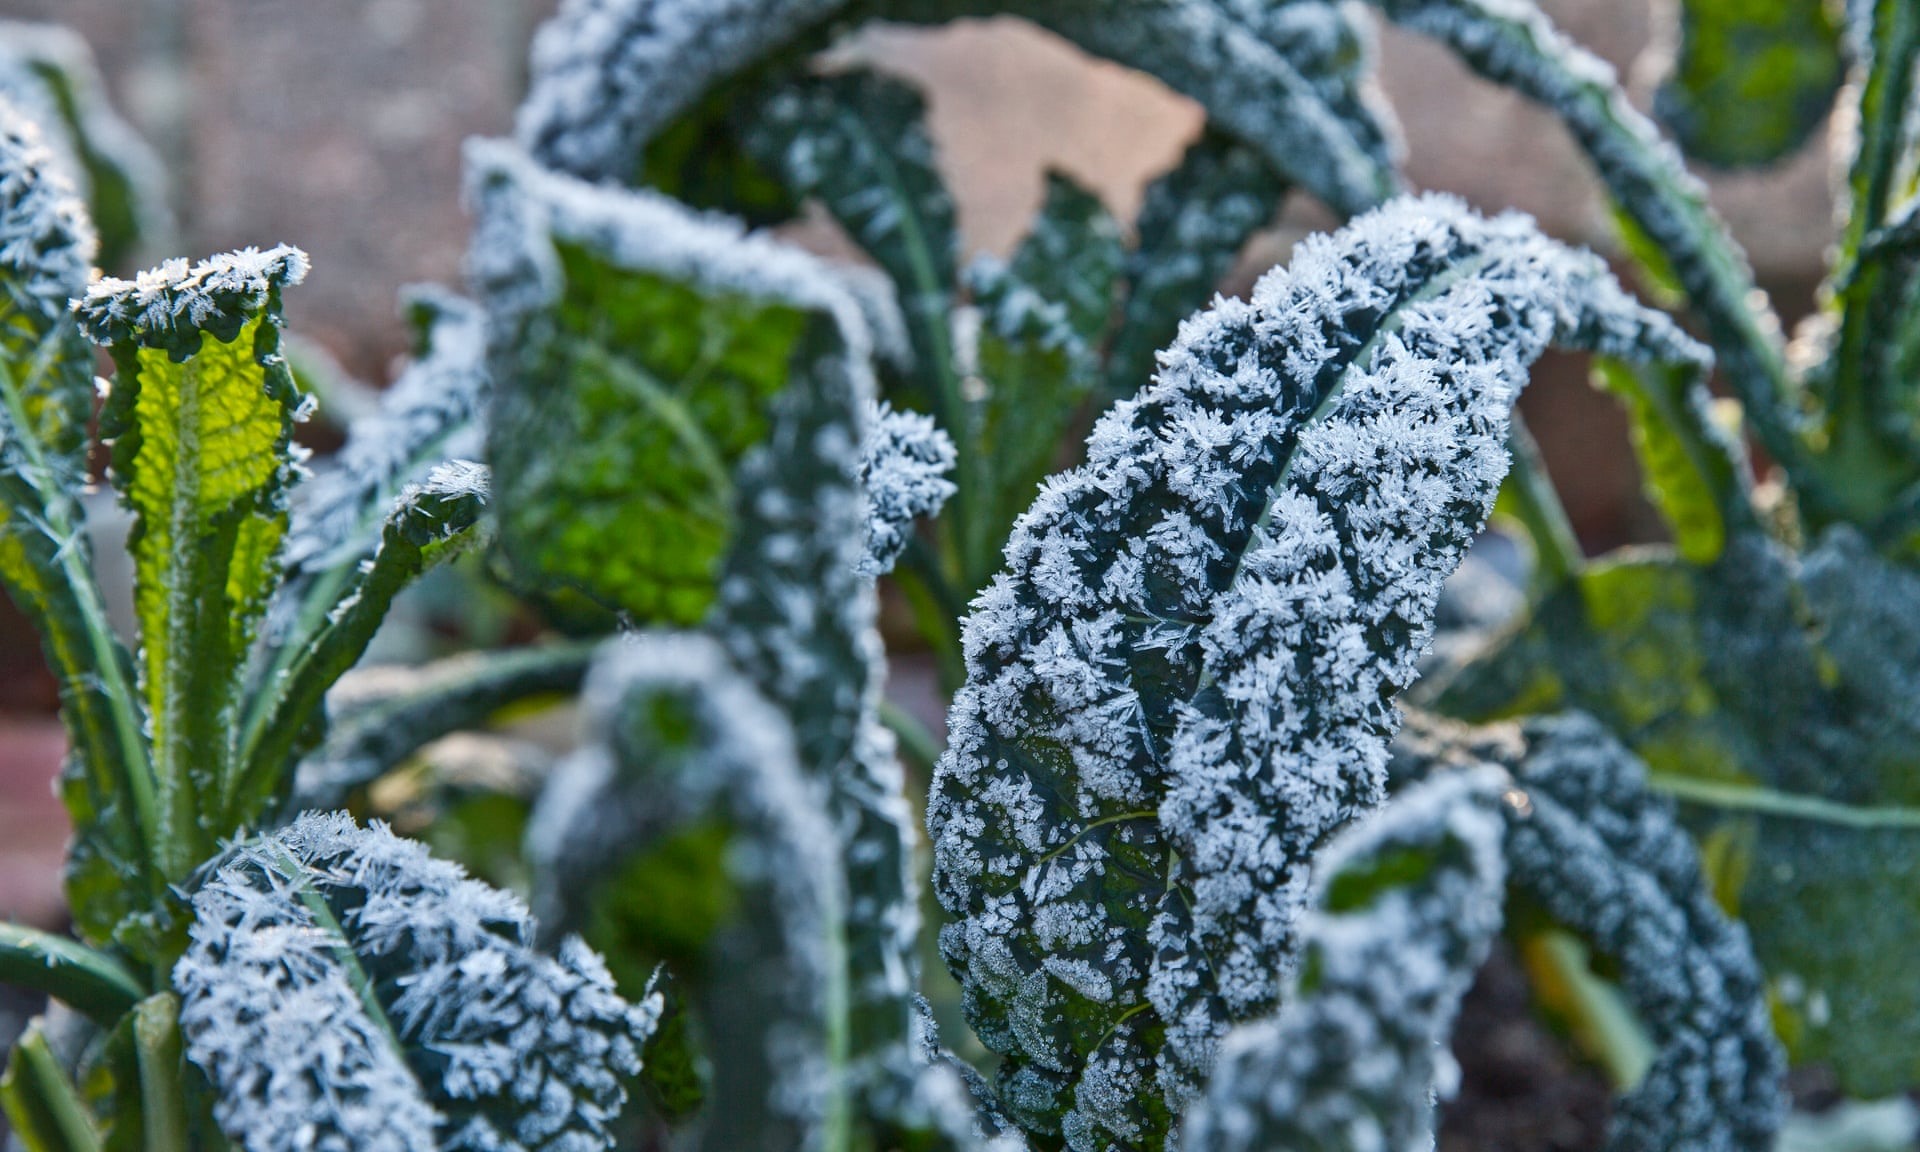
x,y
1780,692
344,990
1181,684
685,829
1606,858
651,342
50,74
904,468
201,422
1405,906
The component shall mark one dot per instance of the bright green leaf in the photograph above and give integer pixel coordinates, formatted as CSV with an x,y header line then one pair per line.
x,y
201,421
1753,78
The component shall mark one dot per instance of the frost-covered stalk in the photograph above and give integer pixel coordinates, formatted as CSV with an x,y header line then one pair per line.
x,y
345,990
1180,686
1404,908
688,773
1606,858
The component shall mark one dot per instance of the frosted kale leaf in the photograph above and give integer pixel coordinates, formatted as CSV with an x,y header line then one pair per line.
x,y
904,467
427,523
49,74
345,990
1606,858
609,75
1750,81
1405,906
649,340
1792,748
688,784
1180,686
827,137
200,418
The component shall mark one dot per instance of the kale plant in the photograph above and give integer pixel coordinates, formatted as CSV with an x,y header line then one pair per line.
x,y
1200,890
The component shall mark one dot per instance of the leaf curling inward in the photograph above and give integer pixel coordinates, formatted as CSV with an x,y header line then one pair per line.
x,y
1243,573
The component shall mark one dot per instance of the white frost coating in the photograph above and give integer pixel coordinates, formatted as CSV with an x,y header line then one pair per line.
x,y
1358,1053
344,990
520,208
904,465
433,412
610,74
774,976
170,306
1192,652
1606,857
46,244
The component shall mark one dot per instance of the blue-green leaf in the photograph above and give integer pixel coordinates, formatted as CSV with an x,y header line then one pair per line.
x,y
1242,575
344,989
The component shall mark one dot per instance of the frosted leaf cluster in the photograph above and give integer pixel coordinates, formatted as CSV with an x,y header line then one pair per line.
x,y
904,466
609,75
677,740
1606,858
433,412
170,307
1181,684
1358,1053
345,991
46,244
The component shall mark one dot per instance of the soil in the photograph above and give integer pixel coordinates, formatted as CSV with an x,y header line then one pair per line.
x,y
1520,1091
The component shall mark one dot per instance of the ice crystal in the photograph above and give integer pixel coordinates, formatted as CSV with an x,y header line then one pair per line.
x,y
170,307
346,991
1192,652
904,467
1357,1054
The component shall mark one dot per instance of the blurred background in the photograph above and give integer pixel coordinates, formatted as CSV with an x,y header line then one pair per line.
x,y
337,126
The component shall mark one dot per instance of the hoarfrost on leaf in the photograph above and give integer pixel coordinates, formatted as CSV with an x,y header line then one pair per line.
x,y
1181,684
344,990
1405,907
